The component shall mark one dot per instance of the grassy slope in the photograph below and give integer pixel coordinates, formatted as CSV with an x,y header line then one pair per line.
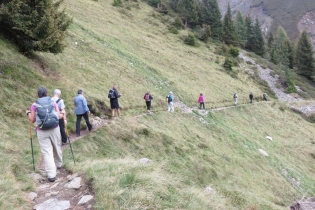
x,y
133,49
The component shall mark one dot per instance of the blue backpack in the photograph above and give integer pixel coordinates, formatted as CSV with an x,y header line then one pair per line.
x,y
170,98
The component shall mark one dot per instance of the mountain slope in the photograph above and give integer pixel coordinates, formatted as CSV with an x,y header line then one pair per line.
x,y
274,13
132,47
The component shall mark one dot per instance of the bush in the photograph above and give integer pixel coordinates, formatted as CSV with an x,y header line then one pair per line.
x,y
117,3
228,64
178,23
154,3
234,52
205,33
173,30
190,40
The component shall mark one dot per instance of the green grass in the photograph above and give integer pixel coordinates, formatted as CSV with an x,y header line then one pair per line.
x,y
136,50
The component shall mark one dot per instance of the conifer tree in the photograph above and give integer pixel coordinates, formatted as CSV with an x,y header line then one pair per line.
x,y
34,25
290,54
229,33
210,14
260,42
305,56
240,28
255,40
188,10
270,41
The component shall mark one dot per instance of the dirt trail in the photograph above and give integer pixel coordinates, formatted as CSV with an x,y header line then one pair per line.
x,y
69,191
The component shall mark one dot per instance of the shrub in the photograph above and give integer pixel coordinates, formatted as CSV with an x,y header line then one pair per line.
x,y
228,64
178,23
204,33
190,40
312,118
234,52
173,30
154,3
117,3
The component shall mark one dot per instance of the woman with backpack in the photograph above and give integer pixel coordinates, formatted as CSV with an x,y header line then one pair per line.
x,y
45,113
201,101
148,97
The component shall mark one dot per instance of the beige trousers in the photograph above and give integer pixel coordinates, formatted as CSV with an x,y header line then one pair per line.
x,y
50,147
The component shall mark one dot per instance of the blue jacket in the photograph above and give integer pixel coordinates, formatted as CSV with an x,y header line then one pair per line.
x,y
80,105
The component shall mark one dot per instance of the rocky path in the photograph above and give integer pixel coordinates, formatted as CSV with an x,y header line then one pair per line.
x,y
296,102
271,80
69,191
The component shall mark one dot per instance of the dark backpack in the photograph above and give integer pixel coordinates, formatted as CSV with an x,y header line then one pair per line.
x,y
111,93
234,96
45,112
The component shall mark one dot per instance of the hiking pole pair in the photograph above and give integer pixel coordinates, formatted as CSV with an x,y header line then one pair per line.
x,y
68,137
30,128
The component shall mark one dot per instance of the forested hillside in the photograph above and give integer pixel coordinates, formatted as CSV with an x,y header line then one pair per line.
x,y
274,13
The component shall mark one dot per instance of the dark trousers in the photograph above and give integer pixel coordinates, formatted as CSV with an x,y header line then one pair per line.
x,y
202,104
148,103
62,131
86,117
251,100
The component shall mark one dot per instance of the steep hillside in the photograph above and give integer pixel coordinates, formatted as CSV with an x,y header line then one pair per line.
x,y
132,46
273,13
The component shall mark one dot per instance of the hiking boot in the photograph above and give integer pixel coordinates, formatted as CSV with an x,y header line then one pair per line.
x,y
59,167
78,135
92,128
52,179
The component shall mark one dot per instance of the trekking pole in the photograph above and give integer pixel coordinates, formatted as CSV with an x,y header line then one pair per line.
x,y
68,137
30,128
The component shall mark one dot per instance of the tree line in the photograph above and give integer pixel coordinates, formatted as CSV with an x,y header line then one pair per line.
x,y
245,33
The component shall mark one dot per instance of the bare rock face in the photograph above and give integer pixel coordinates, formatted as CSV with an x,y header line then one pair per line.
x,y
248,7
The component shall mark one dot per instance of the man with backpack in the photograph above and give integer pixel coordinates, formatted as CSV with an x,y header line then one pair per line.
x,y
81,110
235,96
113,96
63,120
45,113
170,99
251,96
265,97
148,98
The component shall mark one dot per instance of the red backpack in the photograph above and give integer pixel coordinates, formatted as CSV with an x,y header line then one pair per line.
x,y
147,97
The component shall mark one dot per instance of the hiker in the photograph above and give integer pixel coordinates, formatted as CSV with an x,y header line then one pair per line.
x,y
48,132
63,120
148,98
251,96
235,98
114,105
265,97
81,110
169,99
201,101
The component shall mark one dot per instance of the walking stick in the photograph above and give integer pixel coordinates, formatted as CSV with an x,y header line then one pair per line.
x,y
30,128
68,137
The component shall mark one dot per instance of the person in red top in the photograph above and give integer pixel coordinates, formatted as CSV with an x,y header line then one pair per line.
x,y
201,101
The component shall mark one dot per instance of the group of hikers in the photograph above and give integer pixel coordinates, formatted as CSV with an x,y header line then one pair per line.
x,y
50,116
251,97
